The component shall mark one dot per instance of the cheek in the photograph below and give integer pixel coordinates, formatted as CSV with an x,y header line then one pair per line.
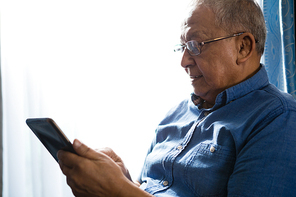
x,y
218,66
218,75
221,68
215,78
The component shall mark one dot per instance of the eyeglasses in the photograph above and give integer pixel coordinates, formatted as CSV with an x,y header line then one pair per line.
x,y
194,47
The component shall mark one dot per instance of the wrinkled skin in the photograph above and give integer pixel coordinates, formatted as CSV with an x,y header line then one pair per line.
x,y
94,173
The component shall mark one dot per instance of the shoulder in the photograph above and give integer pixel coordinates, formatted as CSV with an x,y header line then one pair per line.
x,y
276,103
284,100
267,102
268,145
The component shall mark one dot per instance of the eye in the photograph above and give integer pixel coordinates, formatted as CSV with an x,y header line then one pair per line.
x,y
193,46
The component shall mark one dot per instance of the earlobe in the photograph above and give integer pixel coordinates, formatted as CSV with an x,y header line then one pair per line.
x,y
246,47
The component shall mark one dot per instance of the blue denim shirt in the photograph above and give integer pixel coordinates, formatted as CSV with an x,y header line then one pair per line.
x,y
244,146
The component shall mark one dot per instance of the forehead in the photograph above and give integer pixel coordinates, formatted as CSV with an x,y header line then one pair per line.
x,y
198,24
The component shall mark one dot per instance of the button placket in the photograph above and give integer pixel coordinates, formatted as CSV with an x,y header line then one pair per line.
x,y
180,147
212,149
168,162
165,183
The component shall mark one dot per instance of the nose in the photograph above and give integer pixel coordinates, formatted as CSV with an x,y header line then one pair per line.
x,y
187,59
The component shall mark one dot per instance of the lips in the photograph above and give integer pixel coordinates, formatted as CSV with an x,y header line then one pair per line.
x,y
195,76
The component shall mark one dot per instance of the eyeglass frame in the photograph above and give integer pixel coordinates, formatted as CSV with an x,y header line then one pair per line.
x,y
181,47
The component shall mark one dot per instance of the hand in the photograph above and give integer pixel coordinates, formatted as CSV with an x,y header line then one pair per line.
x,y
117,160
93,173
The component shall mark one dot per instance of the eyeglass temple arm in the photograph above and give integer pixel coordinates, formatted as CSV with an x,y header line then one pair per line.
x,y
221,38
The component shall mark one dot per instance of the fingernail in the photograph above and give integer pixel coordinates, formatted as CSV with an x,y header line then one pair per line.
x,y
77,143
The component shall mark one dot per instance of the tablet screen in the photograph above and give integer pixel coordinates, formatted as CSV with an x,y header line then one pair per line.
x,y
50,135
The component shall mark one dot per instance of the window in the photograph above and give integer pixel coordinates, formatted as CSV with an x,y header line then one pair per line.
x,y
105,71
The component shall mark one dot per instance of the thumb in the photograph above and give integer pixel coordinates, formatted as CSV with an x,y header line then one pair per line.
x,y
84,151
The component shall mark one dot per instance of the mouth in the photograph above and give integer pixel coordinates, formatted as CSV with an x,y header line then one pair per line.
x,y
195,76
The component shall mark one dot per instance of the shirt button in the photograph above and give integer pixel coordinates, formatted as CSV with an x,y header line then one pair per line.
x,y
212,149
165,183
179,147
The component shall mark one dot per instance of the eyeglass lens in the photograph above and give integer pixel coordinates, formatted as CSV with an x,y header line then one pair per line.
x,y
193,47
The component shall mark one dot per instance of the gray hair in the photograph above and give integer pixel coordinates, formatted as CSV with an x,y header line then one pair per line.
x,y
236,16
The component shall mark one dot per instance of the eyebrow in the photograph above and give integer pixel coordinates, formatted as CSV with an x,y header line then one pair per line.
x,y
193,36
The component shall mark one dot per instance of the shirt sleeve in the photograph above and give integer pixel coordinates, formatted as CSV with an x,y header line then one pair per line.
x,y
266,165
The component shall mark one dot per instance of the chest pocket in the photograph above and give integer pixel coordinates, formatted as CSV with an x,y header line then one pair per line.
x,y
207,169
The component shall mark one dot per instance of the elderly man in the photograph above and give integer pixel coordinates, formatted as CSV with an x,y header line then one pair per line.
x,y
235,136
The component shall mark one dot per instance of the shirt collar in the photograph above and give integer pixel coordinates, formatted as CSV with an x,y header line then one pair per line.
x,y
258,81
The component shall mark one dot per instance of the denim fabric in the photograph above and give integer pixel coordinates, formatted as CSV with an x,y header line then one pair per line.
x,y
244,146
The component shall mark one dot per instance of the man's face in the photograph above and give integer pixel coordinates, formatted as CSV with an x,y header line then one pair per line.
x,y
215,68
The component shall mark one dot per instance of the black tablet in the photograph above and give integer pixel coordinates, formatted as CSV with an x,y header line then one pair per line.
x,y
51,136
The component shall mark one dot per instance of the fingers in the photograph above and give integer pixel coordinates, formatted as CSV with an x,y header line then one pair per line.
x,y
111,154
67,158
91,173
64,163
84,150
76,188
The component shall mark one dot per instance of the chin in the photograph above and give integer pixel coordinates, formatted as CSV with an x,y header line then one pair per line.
x,y
201,94
197,93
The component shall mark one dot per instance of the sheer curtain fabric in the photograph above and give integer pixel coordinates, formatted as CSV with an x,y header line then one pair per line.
x,y
105,71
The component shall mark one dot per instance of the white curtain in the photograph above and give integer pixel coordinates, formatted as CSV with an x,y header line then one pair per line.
x,y
105,71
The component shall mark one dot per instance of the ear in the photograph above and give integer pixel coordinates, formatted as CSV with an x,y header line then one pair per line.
x,y
246,47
